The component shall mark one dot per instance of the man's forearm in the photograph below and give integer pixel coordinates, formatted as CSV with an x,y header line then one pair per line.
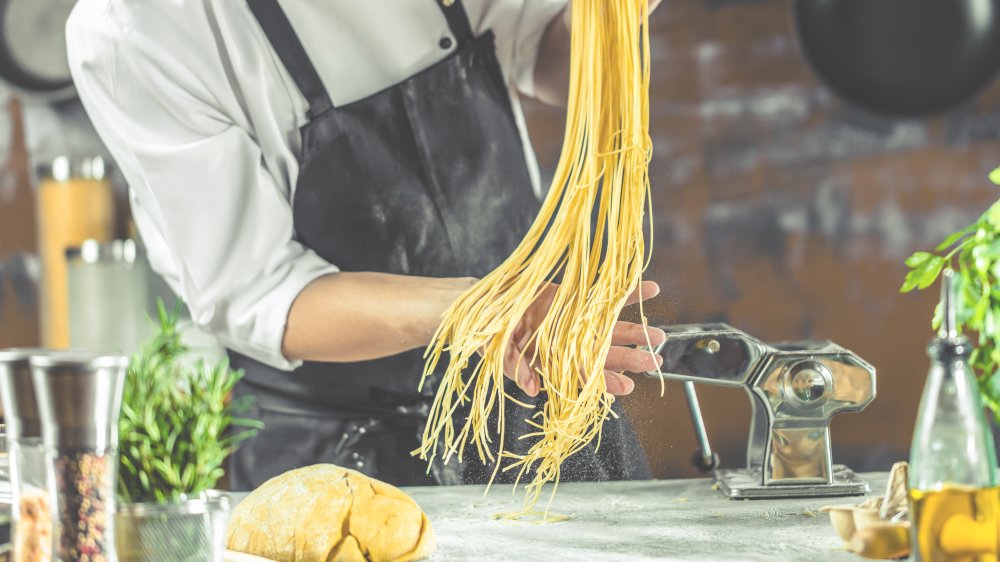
x,y
357,316
552,64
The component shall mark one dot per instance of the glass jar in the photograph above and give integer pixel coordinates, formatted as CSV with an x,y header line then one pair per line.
x,y
29,473
192,529
32,512
84,507
75,203
109,296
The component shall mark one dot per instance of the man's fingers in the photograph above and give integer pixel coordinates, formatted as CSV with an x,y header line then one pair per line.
x,y
619,359
648,290
630,333
526,379
631,360
618,384
517,369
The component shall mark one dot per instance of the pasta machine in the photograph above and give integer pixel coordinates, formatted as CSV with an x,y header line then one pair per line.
x,y
794,390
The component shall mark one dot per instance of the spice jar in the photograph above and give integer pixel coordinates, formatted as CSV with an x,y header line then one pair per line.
x,y
75,203
79,396
28,462
109,296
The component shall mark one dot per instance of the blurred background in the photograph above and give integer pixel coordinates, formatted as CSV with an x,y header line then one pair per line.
x,y
788,213
779,208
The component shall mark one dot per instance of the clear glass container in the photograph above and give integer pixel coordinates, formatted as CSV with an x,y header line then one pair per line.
x,y
28,466
75,202
952,442
84,485
953,466
109,296
192,530
32,511
4,455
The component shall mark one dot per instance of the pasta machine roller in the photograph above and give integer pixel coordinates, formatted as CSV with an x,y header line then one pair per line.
x,y
794,389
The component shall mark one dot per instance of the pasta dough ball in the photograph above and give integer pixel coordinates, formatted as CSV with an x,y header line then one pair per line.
x,y
325,513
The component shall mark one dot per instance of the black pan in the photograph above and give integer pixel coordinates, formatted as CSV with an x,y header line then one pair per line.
x,y
903,58
33,47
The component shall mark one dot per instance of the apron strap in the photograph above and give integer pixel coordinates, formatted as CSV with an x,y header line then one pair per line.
x,y
293,55
458,20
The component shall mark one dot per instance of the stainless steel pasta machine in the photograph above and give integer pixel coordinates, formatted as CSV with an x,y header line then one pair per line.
x,y
794,390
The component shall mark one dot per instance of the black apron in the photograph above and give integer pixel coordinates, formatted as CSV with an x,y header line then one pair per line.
x,y
427,177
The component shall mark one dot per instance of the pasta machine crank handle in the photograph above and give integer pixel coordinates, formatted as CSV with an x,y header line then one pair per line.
x,y
704,460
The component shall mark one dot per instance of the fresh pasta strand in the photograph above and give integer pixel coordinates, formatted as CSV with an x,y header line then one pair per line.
x,y
603,173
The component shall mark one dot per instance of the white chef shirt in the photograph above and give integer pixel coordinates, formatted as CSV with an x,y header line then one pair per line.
x,y
203,120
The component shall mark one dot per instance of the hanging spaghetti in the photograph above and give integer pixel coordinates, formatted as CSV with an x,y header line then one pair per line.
x,y
602,174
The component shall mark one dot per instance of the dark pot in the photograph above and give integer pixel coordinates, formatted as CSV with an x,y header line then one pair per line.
x,y
903,58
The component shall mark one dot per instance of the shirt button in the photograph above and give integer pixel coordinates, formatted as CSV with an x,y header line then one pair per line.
x,y
445,42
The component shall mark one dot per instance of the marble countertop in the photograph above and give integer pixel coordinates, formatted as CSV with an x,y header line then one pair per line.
x,y
635,521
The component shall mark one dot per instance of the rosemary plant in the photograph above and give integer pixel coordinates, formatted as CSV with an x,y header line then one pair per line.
x,y
177,423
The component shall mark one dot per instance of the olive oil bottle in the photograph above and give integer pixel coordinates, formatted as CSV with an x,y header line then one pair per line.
x,y
954,499
956,523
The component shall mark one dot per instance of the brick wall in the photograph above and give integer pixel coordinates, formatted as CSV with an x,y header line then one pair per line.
x,y
787,214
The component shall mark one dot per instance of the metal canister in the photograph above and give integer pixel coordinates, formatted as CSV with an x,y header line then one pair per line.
x,y
75,203
29,467
79,397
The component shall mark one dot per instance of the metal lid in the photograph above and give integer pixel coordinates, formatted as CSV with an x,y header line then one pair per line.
x,y
209,501
17,391
14,354
115,251
79,397
78,361
64,168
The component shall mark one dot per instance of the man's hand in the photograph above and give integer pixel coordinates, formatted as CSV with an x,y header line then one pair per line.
x,y
517,364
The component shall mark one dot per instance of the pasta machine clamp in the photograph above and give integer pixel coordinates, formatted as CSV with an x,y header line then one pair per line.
x,y
794,389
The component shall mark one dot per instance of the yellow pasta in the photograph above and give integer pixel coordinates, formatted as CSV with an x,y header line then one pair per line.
x,y
602,174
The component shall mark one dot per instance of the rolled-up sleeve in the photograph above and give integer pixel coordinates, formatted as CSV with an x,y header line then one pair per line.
x,y
520,26
216,223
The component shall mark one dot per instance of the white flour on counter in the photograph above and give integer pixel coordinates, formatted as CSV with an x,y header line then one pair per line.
x,y
633,521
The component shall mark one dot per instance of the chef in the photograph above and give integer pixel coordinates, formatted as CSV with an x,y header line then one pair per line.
x,y
319,180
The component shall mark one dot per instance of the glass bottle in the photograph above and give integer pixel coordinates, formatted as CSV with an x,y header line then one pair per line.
x,y
953,462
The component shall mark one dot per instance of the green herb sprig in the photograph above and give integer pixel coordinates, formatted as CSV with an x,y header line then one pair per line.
x,y
974,254
177,423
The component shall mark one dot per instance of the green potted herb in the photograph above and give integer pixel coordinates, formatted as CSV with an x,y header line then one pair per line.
x,y
177,427
974,254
